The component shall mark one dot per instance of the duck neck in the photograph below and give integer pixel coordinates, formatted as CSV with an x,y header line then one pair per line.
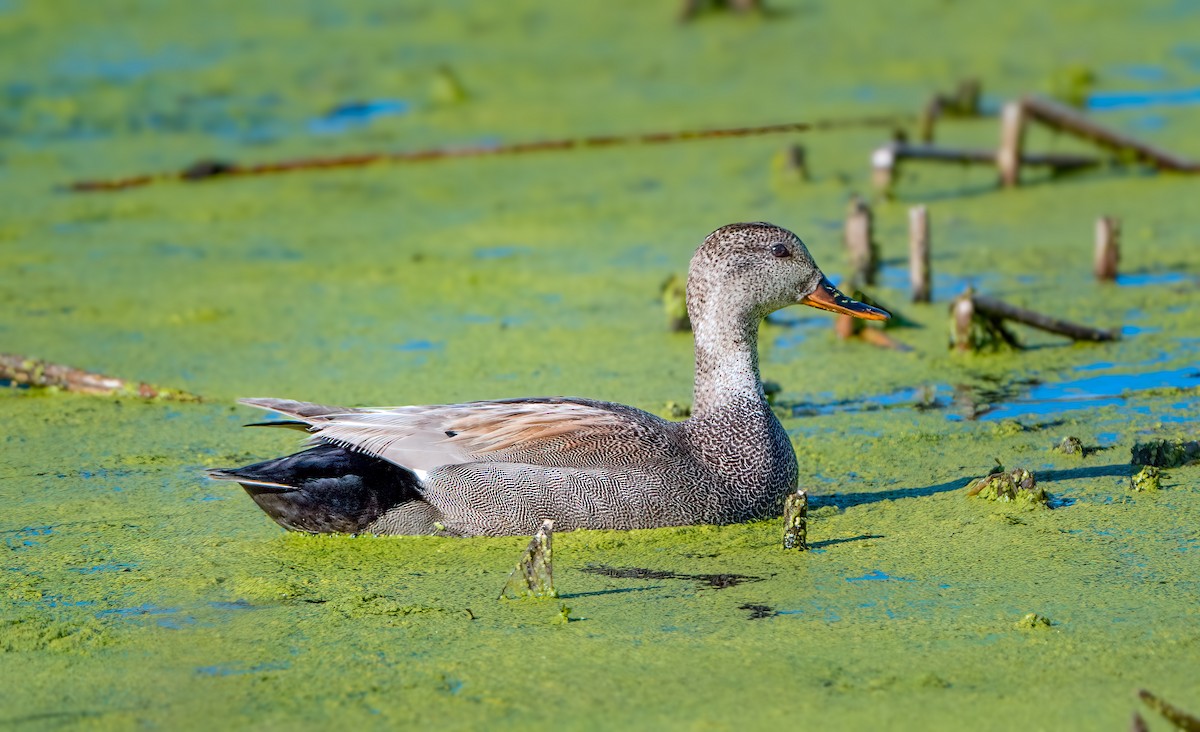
x,y
726,359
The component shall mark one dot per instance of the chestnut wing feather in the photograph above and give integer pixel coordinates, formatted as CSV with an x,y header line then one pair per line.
x,y
551,432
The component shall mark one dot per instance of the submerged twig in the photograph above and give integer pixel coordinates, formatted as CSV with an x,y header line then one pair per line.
x,y
847,326
859,239
25,371
224,169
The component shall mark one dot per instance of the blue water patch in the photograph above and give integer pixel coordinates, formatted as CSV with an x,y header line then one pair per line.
x,y
110,567
499,252
21,539
116,64
1142,72
791,340
876,575
176,623
1149,123
356,115
136,612
945,286
1094,391
1132,330
791,318
240,604
1142,279
229,670
1103,101
419,345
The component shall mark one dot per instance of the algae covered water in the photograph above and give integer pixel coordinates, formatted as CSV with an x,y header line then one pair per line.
x,y
135,593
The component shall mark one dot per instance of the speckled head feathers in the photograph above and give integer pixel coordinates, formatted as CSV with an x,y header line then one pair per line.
x,y
757,268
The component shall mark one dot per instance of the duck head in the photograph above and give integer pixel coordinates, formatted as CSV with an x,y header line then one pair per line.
x,y
756,269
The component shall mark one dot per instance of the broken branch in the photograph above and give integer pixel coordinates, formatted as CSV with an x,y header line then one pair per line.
x,y
999,309
25,371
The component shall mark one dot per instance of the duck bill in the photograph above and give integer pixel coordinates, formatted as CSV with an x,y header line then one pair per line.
x,y
828,297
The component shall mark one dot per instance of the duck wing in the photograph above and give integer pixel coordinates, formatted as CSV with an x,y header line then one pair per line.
x,y
558,432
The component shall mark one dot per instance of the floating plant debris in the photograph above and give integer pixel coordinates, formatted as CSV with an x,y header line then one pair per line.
x,y
1149,478
534,574
795,521
1070,446
1166,453
1017,486
758,612
1033,621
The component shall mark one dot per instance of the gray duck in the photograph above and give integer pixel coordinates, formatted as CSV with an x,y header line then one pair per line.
x,y
501,467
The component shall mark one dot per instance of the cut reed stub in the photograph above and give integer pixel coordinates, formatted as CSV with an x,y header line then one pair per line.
x,y
918,254
795,521
534,574
861,248
1108,248
1012,143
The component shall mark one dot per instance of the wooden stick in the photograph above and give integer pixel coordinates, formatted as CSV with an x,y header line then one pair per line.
x,y
999,309
860,244
885,160
1064,118
1012,141
1108,248
1173,714
918,253
26,371
207,169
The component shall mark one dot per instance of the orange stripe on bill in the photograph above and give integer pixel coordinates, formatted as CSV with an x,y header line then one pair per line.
x,y
828,297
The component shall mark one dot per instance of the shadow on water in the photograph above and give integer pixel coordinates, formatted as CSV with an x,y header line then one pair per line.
x,y
1116,470
715,581
614,591
846,540
846,500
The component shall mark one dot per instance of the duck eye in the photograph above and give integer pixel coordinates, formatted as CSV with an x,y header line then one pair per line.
x,y
781,251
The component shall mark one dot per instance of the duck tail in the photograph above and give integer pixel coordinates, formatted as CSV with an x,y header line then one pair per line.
x,y
325,489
